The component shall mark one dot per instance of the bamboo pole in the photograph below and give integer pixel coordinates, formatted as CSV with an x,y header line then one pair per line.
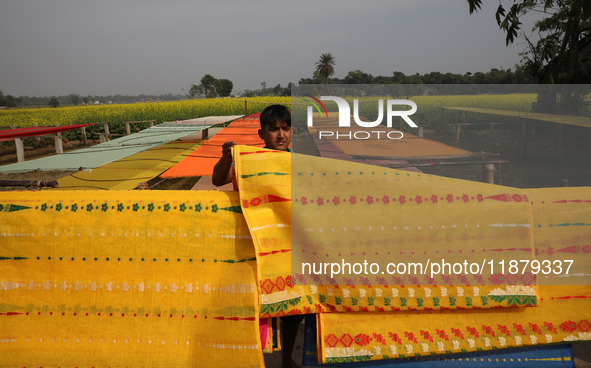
x,y
20,150
84,137
488,173
59,142
28,183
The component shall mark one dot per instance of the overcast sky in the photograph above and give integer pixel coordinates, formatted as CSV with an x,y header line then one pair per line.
x,y
102,47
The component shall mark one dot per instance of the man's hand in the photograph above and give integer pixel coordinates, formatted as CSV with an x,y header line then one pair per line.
x,y
222,170
227,150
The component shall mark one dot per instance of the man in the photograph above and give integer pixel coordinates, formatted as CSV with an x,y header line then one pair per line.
x,y
276,133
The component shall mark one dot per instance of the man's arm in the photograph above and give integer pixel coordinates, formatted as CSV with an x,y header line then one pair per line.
x,y
222,170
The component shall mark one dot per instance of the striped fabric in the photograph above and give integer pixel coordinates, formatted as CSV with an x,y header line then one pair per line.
x,y
167,278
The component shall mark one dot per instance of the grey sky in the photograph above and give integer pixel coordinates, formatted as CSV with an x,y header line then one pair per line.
x,y
102,47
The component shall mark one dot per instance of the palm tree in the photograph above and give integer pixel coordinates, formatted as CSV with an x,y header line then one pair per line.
x,y
325,67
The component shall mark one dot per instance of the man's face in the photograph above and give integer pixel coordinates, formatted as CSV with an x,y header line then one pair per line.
x,y
276,136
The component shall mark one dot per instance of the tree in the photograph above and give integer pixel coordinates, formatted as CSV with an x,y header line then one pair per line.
x,y
11,101
53,102
208,87
398,77
563,52
325,67
225,87
211,87
358,77
75,99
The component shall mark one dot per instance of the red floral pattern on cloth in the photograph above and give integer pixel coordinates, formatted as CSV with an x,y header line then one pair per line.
x,y
418,199
428,336
362,339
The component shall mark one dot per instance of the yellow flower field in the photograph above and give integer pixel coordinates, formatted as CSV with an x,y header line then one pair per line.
x,y
429,110
158,111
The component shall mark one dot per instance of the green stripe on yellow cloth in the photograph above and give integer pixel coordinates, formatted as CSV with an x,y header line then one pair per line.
x,y
127,278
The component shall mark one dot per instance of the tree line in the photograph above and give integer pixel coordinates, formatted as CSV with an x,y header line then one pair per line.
x,y
212,87
75,100
494,76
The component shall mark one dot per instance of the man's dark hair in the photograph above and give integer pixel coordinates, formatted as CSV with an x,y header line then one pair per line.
x,y
275,113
